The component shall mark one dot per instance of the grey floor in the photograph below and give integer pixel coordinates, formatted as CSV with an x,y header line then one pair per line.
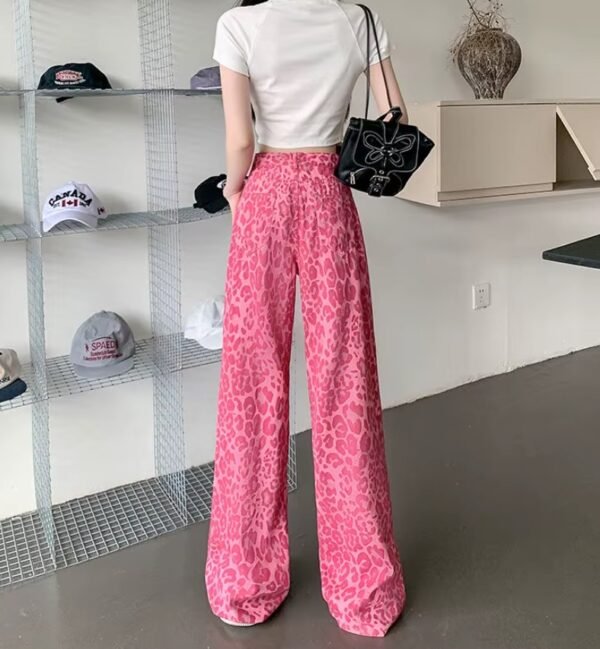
x,y
497,513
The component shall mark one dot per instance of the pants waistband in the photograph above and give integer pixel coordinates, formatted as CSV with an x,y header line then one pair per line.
x,y
325,162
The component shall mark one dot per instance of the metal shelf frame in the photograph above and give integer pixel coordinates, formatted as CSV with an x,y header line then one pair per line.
x,y
124,221
60,535
105,92
63,382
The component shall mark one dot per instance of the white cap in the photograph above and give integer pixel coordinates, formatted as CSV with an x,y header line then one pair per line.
x,y
72,202
103,346
10,368
205,323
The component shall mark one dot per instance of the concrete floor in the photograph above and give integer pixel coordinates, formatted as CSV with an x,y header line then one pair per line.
x,y
496,494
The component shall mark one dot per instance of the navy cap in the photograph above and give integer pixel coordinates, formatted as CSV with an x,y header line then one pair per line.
x,y
12,390
73,76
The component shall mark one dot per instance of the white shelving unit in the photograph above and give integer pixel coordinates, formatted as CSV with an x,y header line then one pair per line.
x,y
60,535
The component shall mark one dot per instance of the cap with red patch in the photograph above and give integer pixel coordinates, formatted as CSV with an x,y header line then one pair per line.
x,y
73,76
72,202
103,346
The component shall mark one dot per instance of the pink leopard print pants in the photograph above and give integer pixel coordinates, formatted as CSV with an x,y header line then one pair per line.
x,y
296,218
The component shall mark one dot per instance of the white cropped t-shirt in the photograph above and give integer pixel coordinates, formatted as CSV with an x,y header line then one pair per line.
x,y
303,58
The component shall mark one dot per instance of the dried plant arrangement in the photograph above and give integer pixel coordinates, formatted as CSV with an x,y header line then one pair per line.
x,y
486,54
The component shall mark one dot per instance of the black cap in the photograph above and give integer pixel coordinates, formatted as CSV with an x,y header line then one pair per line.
x,y
209,194
73,76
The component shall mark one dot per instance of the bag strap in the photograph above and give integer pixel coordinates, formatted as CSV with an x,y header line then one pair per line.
x,y
371,27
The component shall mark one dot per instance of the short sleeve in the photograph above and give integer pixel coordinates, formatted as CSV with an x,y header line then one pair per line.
x,y
229,45
384,41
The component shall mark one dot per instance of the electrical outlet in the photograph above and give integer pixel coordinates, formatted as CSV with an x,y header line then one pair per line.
x,y
481,296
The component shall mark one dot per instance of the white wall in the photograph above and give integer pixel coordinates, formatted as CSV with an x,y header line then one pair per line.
x,y
423,261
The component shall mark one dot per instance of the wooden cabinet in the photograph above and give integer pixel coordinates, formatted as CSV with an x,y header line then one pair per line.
x,y
501,150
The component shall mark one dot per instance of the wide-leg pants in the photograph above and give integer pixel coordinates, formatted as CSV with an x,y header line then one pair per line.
x,y
295,218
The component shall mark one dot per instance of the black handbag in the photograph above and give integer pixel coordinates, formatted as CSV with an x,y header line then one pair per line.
x,y
377,156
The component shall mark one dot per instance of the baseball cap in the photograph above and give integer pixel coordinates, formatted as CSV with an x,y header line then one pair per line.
x,y
103,346
207,79
73,76
205,323
72,202
11,384
209,194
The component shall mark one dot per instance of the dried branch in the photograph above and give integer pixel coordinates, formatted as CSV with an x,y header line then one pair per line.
x,y
474,12
479,20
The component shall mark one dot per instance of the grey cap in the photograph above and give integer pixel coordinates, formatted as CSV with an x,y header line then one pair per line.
x,y
103,346
207,79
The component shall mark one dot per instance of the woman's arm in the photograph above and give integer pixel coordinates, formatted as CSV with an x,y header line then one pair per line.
x,y
378,88
239,133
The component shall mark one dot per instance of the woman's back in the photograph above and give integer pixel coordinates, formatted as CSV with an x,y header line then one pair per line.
x,y
303,58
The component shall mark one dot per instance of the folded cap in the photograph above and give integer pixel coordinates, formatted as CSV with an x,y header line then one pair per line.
x,y
72,202
205,323
209,194
103,346
207,79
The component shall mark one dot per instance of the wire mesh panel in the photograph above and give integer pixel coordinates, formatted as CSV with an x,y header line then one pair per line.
x,y
16,232
169,444
24,42
24,551
163,247
41,470
37,375
165,296
37,380
98,524
62,380
124,221
128,220
119,92
38,384
199,486
154,18
86,528
92,526
105,92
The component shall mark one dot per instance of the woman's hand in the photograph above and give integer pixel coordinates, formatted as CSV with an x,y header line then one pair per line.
x,y
233,201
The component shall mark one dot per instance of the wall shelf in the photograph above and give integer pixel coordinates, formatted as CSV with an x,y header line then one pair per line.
x,y
124,221
62,380
492,151
107,92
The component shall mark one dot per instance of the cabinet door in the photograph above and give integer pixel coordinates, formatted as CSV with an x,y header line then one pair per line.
x,y
487,147
582,121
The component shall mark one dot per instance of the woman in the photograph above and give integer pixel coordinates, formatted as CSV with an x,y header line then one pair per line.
x,y
295,63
